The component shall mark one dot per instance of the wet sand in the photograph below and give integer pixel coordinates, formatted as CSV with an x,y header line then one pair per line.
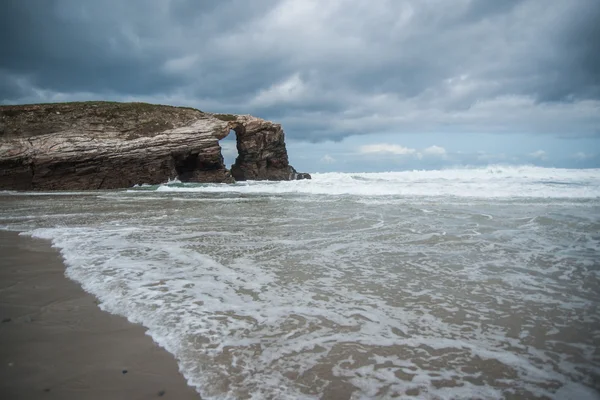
x,y
55,343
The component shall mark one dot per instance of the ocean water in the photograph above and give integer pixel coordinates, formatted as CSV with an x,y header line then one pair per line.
x,y
468,283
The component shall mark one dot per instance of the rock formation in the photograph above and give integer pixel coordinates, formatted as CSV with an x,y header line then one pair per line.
x,y
105,145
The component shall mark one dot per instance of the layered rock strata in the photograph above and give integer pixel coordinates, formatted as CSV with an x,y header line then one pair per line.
x,y
104,145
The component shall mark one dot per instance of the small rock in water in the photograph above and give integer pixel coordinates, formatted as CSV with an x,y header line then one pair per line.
x,y
47,390
6,320
161,393
124,371
303,175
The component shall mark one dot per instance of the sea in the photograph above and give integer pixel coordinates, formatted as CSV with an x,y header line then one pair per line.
x,y
465,283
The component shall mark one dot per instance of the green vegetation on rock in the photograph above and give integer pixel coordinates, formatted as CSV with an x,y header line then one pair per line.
x,y
132,119
226,117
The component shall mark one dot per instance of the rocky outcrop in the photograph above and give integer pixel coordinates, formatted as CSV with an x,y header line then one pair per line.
x,y
104,145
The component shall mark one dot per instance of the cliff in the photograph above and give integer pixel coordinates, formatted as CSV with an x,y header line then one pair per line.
x,y
105,145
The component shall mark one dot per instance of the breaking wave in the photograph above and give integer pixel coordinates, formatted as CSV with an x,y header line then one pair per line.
x,y
489,182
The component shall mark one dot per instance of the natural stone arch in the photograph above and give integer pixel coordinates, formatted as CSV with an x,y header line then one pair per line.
x,y
107,145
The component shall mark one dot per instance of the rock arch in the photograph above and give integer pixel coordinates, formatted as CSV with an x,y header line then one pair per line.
x,y
108,145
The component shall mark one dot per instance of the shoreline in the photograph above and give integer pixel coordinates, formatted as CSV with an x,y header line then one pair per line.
x,y
56,343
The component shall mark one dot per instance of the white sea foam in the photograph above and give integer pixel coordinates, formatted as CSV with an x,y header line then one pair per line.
x,y
490,182
287,296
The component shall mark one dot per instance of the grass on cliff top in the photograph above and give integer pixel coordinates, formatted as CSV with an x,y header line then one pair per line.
x,y
124,106
225,117
106,105
129,105
132,119
106,109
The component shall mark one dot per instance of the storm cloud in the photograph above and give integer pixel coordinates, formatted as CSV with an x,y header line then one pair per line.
x,y
325,69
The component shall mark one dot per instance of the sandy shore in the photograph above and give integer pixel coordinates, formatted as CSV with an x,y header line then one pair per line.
x,y
55,343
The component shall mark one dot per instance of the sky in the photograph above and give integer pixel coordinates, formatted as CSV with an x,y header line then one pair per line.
x,y
358,85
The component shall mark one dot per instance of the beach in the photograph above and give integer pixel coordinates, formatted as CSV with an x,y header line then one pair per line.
x,y
57,344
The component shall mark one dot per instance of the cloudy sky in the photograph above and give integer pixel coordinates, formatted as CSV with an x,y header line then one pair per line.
x,y
359,85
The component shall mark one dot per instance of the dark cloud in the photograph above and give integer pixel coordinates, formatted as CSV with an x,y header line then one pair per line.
x,y
63,53
324,69
477,10
577,74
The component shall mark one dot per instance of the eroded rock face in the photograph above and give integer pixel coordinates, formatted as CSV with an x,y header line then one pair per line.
x,y
100,145
261,151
